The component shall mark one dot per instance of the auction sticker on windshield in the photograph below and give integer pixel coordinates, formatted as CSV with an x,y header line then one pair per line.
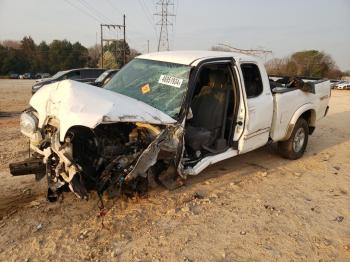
x,y
170,81
145,89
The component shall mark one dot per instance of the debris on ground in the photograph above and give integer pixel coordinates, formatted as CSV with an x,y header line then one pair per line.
x,y
34,203
339,219
38,227
84,234
263,174
316,209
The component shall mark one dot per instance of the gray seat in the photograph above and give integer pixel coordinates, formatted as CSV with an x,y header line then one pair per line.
x,y
209,109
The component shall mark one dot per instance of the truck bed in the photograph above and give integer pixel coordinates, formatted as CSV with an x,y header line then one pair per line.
x,y
289,101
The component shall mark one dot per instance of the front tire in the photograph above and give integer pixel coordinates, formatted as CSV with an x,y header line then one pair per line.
x,y
295,146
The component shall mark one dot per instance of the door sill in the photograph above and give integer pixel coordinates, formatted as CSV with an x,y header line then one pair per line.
x,y
209,160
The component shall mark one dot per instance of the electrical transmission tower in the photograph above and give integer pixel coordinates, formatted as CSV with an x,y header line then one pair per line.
x,y
165,20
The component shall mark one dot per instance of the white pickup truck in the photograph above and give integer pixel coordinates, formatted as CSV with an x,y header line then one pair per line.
x,y
163,117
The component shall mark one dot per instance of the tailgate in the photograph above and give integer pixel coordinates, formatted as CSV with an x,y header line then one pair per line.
x,y
323,94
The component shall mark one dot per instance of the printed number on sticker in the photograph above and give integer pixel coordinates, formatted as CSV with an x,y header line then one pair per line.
x,y
170,81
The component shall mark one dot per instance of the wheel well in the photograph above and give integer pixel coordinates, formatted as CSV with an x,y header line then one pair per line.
x,y
310,117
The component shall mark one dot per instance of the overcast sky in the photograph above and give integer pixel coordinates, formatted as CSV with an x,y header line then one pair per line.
x,y
282,26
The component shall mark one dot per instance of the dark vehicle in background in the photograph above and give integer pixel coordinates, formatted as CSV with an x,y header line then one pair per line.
x,y
104,78
42,75
14,76
86,75
28,76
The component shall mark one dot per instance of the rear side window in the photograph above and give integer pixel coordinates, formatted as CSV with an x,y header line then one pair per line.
x,y
252,80
91,73
72,75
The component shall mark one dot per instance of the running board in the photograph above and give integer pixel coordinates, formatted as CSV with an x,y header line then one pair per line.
x,y
209,160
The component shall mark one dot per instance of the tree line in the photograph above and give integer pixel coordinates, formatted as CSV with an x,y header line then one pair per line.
x,y
27,56
309,63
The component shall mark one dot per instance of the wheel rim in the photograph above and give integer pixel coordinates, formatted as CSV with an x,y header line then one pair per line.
x,y
299,139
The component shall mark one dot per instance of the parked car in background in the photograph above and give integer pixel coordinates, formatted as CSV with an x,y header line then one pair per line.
x,y
14,76
28,76
42,75
104,78
334,83
86,75
342,85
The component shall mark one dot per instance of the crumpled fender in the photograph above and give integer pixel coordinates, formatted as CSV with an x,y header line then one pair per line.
x,y
169,140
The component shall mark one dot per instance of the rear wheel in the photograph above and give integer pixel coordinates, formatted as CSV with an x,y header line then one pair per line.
x,y
295,146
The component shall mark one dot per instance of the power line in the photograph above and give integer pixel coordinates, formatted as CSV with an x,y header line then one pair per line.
x,y
118,10
164,22
121,12
90,11
148,15
144,10
175,22
83,11
147,9
114,7
99,14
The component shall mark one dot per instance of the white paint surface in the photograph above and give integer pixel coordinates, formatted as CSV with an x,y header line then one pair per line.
x,y
74,103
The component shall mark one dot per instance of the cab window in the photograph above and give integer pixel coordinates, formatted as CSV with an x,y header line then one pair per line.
x,y
252,80
73,75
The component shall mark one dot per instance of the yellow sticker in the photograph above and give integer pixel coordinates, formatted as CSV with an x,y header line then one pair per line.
x,y
145,89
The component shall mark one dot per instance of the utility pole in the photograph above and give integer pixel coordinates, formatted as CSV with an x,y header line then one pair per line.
x,y
101,46
147,46
124,53
115,27
164,14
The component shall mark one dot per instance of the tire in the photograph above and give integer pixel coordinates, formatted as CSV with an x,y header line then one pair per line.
x,y
295,146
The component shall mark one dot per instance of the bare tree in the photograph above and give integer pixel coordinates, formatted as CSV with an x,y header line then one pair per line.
x,y
12,44
94,55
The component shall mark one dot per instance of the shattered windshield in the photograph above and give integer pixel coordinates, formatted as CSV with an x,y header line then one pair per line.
x,y
159,84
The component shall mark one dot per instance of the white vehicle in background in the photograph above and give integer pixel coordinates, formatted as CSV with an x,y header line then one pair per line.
x,y
343,85
167,116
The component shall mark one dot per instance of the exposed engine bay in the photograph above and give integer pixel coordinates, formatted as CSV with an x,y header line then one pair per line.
x,y
114,157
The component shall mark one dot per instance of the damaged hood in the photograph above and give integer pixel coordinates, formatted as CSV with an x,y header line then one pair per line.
x,y
78,104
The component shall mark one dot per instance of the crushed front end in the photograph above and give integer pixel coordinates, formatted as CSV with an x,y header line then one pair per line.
x,y
113,156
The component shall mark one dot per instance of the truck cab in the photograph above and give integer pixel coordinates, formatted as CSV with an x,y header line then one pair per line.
x,y
231,108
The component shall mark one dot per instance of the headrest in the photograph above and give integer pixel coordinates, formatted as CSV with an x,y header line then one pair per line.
x,y
217,78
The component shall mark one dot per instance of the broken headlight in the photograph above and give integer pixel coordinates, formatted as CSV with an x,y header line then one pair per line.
x,y
29,124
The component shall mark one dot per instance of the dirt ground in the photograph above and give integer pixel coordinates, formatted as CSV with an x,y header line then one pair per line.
x,y
257,206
